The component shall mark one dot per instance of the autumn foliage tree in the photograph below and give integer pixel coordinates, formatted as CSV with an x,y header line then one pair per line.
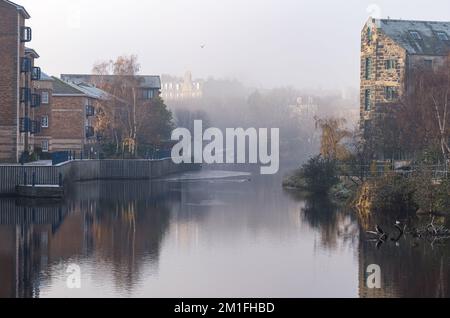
x,y
125,119
333,135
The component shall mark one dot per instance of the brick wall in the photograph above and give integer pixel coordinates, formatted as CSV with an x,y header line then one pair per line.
x,y
9,39
44,110
68,122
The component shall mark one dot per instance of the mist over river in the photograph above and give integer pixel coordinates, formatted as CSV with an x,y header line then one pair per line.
x,y
203,234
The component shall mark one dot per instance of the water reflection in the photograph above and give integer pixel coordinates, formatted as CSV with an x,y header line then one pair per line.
x,y
238,236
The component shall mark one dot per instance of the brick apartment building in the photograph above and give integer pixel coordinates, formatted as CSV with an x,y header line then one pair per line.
x,y
390,51
71,120
149,85
18,99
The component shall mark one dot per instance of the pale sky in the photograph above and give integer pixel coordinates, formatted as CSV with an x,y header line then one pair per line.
x,y
266,43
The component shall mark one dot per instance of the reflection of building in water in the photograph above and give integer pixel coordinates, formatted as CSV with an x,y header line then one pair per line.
x,y
121,224
24,249
176,88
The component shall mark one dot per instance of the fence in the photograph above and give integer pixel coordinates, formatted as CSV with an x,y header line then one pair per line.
x,y
85,170
383,169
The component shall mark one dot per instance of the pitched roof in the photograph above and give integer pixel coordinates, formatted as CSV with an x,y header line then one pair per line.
x,y
19,8
63,88
45,77
146,81
429,42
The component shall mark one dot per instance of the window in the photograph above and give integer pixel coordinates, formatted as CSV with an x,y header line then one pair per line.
x,y
367,96
44,98
428,64
148,94
442,36
44,121
391,64
44,145
390,92
369,35
368,67
415,35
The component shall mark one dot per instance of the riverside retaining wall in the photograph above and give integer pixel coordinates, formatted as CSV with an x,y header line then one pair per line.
x,y
86,170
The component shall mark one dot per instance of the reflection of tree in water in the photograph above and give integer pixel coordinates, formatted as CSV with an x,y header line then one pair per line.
x,y
410,268
126,228
334,225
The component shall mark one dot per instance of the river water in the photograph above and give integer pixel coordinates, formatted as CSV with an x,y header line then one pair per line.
x,y
204,234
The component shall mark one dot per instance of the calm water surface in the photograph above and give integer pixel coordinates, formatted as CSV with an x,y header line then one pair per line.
x,y
204,234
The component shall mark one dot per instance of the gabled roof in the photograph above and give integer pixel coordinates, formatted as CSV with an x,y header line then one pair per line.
x,y
63,88
45,77
146,81
429,42
19,8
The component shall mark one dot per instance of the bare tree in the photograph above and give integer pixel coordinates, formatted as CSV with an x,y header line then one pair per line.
x,y
422,116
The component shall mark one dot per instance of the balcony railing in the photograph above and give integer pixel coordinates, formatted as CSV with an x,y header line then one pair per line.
x,y
25,34
90,111
25,94
24,125
90,132
35,127
36,74
25,65
35,100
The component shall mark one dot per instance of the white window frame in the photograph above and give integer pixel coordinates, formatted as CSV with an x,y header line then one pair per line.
x,y
44,123
45,145
45,100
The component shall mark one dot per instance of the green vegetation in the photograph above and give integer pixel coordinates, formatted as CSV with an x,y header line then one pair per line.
x,y
318,176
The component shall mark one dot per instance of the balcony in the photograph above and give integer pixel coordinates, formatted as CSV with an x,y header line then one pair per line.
x,y
90,111
90,132
25,65
35,100
25,34
24,125
36,74
25,95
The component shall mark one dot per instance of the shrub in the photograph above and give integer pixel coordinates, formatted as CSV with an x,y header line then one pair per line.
x,y
318,176
431,196
392,193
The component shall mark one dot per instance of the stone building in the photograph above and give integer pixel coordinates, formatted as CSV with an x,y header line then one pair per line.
x,y
177,88
390,51
18,73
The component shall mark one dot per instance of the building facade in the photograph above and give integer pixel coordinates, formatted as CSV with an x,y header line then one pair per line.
x,y
177,88
43,139
18,99
71,120
390,51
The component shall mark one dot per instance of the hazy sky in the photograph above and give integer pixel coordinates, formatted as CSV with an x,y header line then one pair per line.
x,y
267,43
